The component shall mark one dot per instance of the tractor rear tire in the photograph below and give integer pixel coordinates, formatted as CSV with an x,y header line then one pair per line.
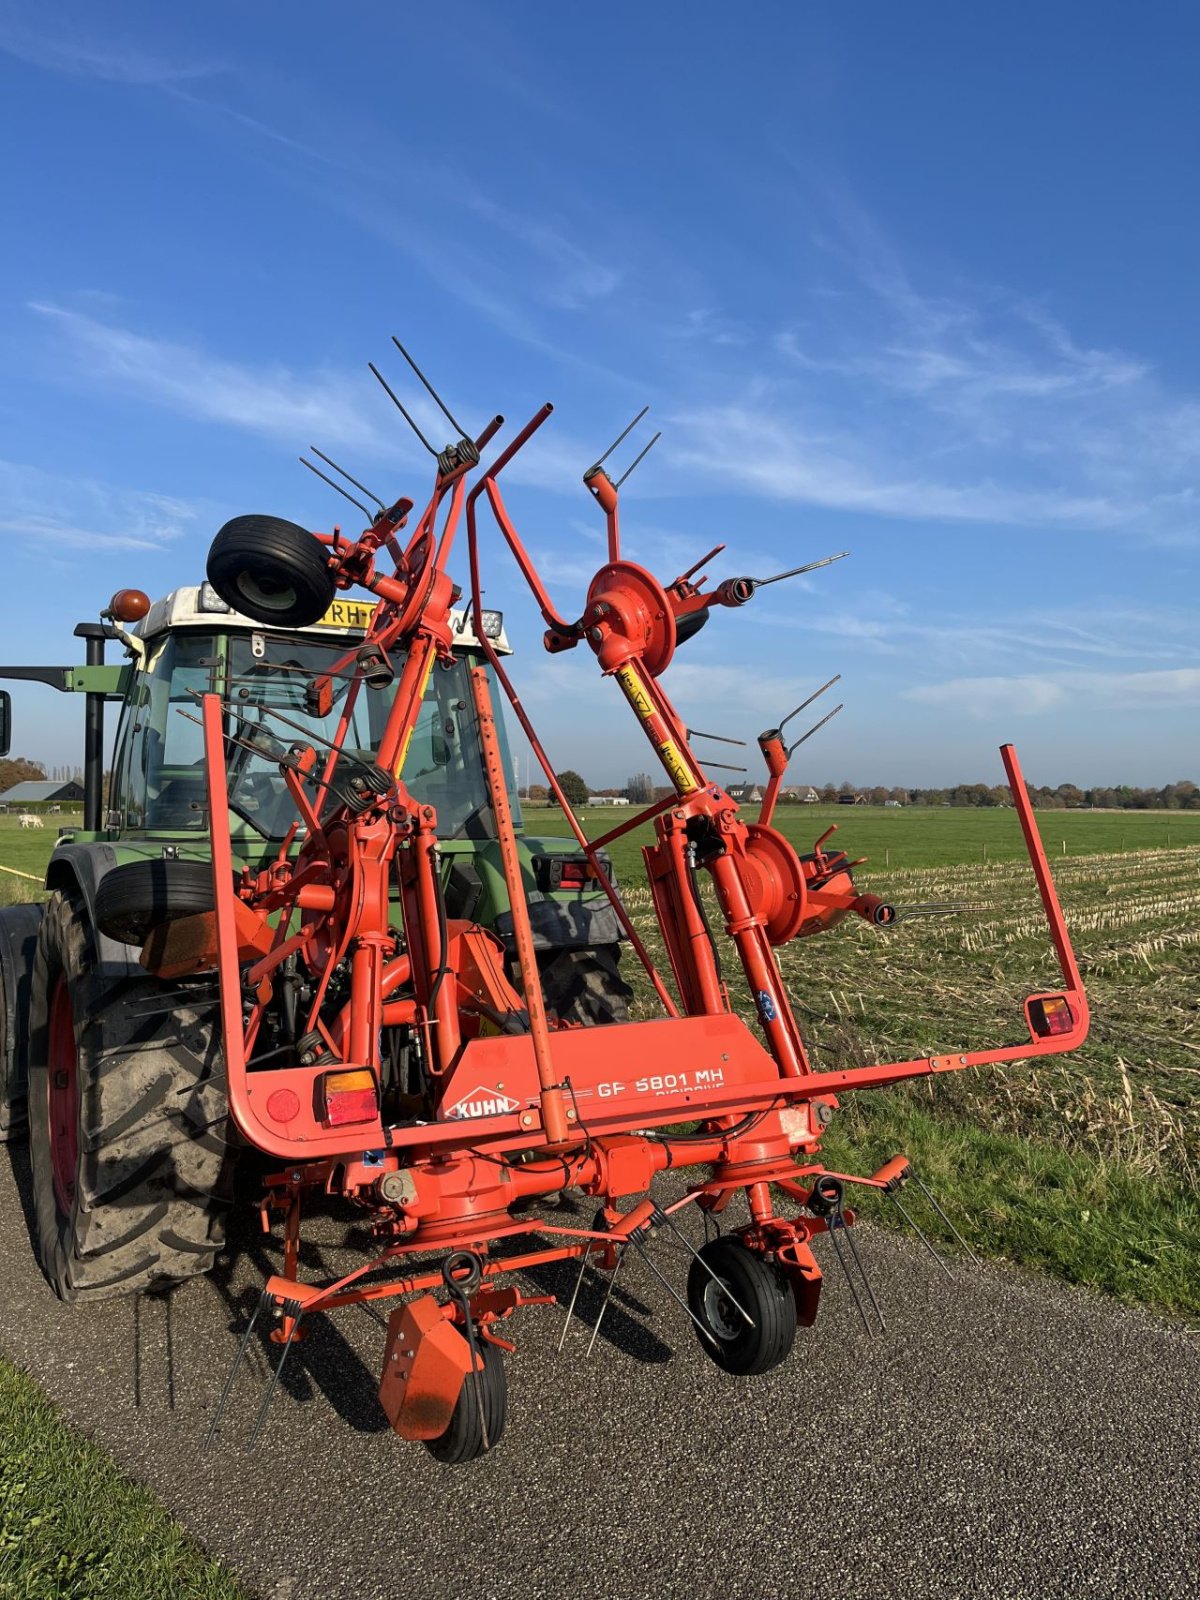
x,y
463,1439
274,571
139,896
130,1144
585,986
760,1289
18,942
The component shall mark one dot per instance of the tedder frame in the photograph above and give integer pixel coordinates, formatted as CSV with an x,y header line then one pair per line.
x,y
517,1105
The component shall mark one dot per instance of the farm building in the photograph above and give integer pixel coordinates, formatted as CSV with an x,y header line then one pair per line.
x,y
746,794
36,795
608,800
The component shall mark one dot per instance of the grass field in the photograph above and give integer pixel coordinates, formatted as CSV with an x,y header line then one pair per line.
x,y
24,853
917,836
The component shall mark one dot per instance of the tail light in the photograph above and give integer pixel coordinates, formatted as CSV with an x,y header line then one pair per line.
x,y
572,874
554,873
1049,1014
347,1097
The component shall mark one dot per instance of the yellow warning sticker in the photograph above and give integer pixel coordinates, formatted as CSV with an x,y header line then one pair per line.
x,y
628,678
403,756
678,770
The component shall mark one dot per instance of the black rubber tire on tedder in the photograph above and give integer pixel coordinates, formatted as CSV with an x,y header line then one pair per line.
x,y
274,571
463,1439
130,1145
760,1289
139,896
585,985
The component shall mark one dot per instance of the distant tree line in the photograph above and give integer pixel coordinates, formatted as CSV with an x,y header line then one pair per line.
x,y
1181,796
20,769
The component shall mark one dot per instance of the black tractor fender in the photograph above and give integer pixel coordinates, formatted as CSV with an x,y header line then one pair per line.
x,y
78,869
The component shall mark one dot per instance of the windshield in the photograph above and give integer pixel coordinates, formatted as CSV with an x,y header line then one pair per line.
x,y
444,764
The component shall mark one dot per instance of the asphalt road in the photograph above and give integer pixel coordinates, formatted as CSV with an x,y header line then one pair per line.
x,y
1008,1437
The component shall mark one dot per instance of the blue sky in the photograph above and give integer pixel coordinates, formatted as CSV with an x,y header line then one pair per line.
x,y
918,283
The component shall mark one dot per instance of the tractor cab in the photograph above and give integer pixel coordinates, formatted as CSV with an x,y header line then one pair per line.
x,y
191,643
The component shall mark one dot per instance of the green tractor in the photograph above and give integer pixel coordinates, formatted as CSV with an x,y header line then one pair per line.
x,y
115,1071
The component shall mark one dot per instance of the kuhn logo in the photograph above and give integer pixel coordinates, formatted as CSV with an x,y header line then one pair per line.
x,y
483,1102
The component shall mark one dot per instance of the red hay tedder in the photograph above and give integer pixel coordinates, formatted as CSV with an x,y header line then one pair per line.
x,y
502,1102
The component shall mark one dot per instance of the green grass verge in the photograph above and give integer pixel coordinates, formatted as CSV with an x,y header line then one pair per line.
x,y
72,1528
1092,1222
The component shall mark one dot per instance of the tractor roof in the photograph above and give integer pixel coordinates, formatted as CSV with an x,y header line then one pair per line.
x,y
198,606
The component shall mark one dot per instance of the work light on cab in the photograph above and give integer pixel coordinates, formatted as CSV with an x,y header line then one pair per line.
x,y
347,1097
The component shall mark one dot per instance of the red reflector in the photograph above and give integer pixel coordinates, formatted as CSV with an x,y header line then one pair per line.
x,y
1051,1015
346,1097
575,875
283,1105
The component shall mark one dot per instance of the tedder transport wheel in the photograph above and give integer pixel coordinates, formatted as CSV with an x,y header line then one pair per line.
x,y
141,895
463,1439
760,1289
586,986
274,571
128,1123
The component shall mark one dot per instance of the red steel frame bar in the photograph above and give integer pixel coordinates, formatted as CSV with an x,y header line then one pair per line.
x,y
554,1113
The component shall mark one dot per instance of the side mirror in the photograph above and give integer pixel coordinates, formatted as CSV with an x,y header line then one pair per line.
x,y
5,722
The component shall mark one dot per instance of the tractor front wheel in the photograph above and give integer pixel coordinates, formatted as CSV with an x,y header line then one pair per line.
x,y
464,1439
128,1123
729,1284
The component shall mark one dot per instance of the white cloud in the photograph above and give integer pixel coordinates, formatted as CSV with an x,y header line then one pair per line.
x,y
1035,694
74,53
294,407
783,458
49,514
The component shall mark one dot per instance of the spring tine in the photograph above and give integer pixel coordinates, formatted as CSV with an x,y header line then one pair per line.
x,y
837,1250
441,404
584,1259
391,396
336,487
920,1236
721,738
794,572
233,1371
674,1293
883,1327
804,704
816,728
600,462
607,1297
696,1256
929,1195
638,460
330,462
292,1309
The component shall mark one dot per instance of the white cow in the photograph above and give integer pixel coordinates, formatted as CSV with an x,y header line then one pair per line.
x,y
28,819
